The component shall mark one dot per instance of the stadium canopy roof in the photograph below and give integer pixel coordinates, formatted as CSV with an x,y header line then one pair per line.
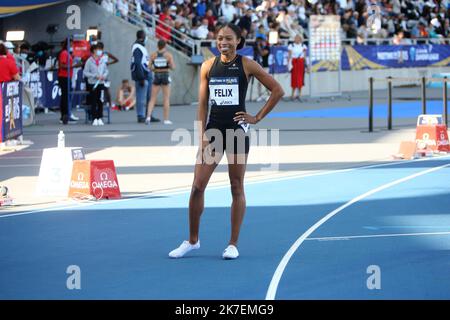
x,y
10,7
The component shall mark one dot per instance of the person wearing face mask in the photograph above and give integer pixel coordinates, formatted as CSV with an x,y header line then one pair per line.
x,y
107,58
140,73
96,73
65,73
24,57
10,47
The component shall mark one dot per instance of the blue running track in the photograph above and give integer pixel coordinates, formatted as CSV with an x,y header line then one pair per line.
x,y
121,246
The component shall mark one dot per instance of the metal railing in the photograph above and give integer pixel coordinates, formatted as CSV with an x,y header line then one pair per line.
x,y
352,42
423,81
390,41
189,46
154,27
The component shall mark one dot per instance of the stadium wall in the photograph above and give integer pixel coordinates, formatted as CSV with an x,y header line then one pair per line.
x,y
117,35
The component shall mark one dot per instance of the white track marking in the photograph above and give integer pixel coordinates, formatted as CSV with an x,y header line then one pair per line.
x,y
387,235
273,286
187,189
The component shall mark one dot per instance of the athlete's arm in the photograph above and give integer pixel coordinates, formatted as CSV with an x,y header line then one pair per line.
x,y
203,97
276,92
171,62
150,63
114,59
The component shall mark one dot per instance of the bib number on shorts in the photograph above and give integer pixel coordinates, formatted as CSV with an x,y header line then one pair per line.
x,y
224,91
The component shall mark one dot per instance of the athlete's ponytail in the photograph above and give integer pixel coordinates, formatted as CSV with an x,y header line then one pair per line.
x,y
241,44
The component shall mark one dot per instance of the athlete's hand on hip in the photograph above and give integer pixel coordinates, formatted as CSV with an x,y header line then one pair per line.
x,y
243,116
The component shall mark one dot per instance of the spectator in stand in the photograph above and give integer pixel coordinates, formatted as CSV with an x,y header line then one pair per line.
x,y
348,24
122,9
423,32
215,7
108,5
395,15
261,33
201,8
228,11
446,28
201,32
282,34
163,31
211,20
8,68
151,7
398,38
180,40
245,22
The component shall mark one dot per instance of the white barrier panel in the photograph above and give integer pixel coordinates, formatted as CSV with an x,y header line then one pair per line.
x,y
56,170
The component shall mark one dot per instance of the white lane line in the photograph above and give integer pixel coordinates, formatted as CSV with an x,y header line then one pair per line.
x,y
19,157
187,189
19,165
273,286
387,235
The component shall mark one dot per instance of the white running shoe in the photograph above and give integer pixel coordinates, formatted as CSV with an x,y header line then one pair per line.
x,y
184,248
95,122
230,252
147,121
100,122
74,117
168,122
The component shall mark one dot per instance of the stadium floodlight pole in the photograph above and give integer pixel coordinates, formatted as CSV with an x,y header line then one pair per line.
x,y
389,80
424,96
445,101
371,104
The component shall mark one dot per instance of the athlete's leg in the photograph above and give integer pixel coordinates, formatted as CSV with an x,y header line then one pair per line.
x,y
236,170
203,171
166,101
152,102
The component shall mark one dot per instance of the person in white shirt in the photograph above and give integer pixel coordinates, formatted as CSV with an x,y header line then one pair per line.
x,y
202,31
122,6
228,11
296,62
108,5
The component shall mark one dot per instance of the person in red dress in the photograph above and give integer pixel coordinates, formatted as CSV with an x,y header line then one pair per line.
x,y
296,62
